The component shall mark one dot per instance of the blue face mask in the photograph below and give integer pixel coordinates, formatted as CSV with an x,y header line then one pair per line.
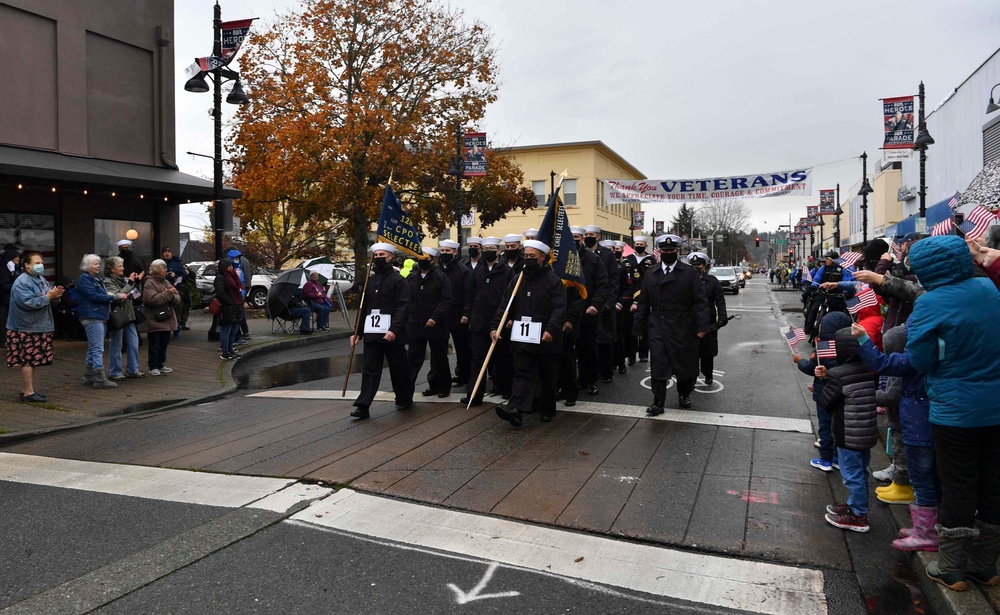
x,y
38,268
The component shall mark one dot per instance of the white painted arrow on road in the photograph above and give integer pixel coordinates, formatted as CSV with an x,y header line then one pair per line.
x,y
463,598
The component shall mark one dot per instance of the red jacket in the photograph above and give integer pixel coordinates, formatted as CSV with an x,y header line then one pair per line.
x,y
871,319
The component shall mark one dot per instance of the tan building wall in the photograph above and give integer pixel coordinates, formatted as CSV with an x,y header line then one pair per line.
x,y
887,209
587,164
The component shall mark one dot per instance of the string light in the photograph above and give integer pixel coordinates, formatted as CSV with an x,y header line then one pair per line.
x,y
142,196
112,194
19,186
53,188
84,191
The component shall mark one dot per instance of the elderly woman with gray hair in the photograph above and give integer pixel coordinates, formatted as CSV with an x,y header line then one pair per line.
x,y
116,283
93,311
160,301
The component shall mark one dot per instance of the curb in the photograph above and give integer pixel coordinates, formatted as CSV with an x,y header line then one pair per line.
x,y
225,375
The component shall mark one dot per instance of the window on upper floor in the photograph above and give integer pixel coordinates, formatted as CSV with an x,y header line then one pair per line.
x,y
569,192
538,187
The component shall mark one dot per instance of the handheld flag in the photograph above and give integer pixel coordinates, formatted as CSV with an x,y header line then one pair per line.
x,y
942,228
554,231
395,227
953,201
897,251
865,298
977,222
794,336
826,349
848,259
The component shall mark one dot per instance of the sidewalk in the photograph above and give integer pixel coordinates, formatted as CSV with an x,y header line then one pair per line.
x,y
199,374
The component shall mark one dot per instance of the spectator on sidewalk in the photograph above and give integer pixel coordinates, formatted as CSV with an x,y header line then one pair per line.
x,y
828,327
315,295
245,272
116,283
30,326
176,275
229,292
93,312
9,265
160,302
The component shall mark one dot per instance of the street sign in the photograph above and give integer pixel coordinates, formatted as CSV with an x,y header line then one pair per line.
x,y
921,225
781,242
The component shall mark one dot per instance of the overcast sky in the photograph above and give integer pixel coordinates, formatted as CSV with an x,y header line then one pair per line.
x,y
683,90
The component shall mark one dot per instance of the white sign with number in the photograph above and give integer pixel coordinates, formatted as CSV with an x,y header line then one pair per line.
x,y
376,322
526,331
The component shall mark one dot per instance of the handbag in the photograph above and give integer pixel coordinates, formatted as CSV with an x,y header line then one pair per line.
x,y
163,314
118,319
214,307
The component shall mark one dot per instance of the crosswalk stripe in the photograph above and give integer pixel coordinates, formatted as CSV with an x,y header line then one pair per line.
x,y
748,421
707,579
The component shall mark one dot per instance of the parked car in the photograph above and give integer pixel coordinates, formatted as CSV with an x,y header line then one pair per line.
x,y
727,279
742,279
260,282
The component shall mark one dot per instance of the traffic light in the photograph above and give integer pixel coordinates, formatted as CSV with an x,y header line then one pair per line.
x,y
791,252
756,242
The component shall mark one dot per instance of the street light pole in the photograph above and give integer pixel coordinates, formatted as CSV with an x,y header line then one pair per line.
x,y
866,189
458,188
217,118
924,139
836,227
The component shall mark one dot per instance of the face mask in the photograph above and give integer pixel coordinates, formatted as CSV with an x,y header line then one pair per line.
x,y
126,253
381,265
618,255
590,242
640,249
512,255
490,255
530,264
668,257
473,252
38,268
446,259
425,265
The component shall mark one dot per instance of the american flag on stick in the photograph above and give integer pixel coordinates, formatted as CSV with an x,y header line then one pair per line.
x,y
977,222
942,228
794,336
864,298
826,349
953,201
847,259
896,250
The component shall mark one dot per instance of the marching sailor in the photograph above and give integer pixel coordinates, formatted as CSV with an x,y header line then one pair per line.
x,y
709,345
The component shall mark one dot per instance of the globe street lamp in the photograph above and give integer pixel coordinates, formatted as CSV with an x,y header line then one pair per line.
x,y
237,96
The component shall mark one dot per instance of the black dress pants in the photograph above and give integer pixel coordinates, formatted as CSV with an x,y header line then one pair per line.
x,y
439,376
376,353
567,369
535,373
586,350
479,346
463,354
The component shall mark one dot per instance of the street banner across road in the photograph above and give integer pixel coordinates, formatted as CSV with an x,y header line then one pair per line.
x,y
782,183
897,117
827,207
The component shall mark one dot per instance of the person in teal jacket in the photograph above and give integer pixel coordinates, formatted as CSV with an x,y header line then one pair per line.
x,y
951,335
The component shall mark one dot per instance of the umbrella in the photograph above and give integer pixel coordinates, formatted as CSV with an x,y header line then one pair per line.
x,y
985,188
322,265
282,290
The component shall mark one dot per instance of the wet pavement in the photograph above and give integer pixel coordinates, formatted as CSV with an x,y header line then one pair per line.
x,y
249,376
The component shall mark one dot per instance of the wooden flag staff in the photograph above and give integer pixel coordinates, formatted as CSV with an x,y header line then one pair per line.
x,y
489,354
357,325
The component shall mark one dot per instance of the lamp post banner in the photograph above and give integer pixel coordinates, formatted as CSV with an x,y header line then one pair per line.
x,y
474,154
812,215
897,117
638,220
756,185
827,204
233,33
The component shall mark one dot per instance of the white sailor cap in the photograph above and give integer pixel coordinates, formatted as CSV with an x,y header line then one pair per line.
x,y
607,243
641,238
447,243
491,241
592,228
512,238
619,244
431,252
700,256
531,233
124,242
534,243
474,241
577,230
387,247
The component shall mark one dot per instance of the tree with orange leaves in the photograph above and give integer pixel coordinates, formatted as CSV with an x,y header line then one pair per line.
x,y
346,94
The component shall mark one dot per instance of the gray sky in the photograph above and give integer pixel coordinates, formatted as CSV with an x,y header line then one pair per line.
x,y
684,90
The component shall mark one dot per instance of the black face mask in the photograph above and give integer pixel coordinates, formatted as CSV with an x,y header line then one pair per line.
x,y
125,253
425,265
512,255
590,242
640,249
668,257
530,265
381,265
618,255
473,252
490,255
446,259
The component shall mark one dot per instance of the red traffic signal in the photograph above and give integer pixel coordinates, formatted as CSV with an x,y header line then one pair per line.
x,y
757,242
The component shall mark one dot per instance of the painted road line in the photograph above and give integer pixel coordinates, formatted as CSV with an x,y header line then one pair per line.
x,y
273,494
707,579
700,417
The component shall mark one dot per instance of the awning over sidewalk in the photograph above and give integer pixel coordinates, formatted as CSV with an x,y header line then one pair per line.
x,y
935,213
25,165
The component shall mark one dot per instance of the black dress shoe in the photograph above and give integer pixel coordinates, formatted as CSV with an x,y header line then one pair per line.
x,y
475,402
511,416
361,412
621,369
608,380
684,401
654,410
571,402
404,406
709,381
454,380
443,395
592,390
631,361
429,392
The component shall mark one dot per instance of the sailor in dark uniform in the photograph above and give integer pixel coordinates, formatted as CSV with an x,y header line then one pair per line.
x,y
709,345
606,326
639,263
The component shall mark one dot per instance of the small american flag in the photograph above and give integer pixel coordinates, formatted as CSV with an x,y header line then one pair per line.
x,y
896,250
864,298
953,201
942,228
826,349
977,222
847,259
794,336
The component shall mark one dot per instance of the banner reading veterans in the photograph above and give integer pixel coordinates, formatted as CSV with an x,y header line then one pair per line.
x,y
474,154
897,115
781,183
827,206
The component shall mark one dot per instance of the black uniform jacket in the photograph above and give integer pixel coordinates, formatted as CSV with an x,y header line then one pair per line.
x,y
595,279
388,293
717,316
672,310
606,326
485,294
638,269
541,296
430,298
460,276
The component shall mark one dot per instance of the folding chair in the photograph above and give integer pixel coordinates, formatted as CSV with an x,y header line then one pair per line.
x,y
283,322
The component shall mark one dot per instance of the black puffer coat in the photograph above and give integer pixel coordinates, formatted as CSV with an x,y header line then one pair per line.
x,y
849,395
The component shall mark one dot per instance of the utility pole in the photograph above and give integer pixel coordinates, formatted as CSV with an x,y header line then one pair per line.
x,y
459,142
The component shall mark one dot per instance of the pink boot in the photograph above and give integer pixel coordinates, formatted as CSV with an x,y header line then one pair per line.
x,y
923,536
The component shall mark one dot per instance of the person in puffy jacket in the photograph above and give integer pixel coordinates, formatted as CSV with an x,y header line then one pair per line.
x,y
828,327
949,338
849,397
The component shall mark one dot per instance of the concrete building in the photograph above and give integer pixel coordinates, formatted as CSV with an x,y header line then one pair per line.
x,y
587,164
87,138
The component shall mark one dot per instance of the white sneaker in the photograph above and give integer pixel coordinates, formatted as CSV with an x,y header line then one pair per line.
x,y
166,370
154,372
885,475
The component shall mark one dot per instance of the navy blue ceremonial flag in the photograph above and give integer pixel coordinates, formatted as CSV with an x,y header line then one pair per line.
x,y
395,227
554,231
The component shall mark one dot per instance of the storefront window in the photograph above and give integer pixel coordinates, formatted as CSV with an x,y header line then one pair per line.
x,y
107,234
31,233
